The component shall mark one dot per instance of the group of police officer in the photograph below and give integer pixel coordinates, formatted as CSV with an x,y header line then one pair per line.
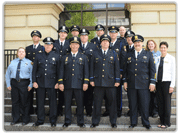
x,y
91,71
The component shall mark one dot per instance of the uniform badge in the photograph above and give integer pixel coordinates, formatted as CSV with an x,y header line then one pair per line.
x,y
53,59
144,57
54,47
125,48
117,50
94,42
80,59
111,58
32,63
40,51
129,58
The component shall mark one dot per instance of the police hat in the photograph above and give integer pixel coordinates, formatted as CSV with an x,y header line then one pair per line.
x,y
99,27
129,34
84,32
113,29
48,40
75,40
137,38
36,32
105,37
75,28
63,29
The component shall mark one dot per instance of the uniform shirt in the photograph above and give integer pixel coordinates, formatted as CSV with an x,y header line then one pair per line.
x,y
35,46
25,71
85,45
75,54
112,43
105,51
131,46
136,53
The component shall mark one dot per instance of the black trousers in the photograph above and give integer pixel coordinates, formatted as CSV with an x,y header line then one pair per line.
x,y
88,99
52,104
141,98
68,94
164,102
99,93
60,101
153,107
118,99
20,100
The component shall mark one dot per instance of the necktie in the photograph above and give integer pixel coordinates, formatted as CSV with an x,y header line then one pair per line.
x,y
83,46
111,44
18,71
104,53
129,47
61,45
74,56
137,54
34,47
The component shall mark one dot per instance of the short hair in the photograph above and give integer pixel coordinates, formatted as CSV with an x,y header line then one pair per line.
x,y
155,48
19,49
163,43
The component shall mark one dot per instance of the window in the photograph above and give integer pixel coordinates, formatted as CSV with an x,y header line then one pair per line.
x,y
88,15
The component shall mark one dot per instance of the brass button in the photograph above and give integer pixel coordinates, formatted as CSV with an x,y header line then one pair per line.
x,y
103,64
45,69
136,64
33,57
135,69
33,53
103,70
45,73
73,64
72,74
135,74
104,59
102,75
73,60
72,69
136,59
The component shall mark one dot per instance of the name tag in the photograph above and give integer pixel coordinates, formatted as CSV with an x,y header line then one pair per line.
x,y
166,62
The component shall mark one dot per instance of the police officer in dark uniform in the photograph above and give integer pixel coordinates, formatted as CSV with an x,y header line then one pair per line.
x,y
99,31
45,78
75,30
31,52
128,35
74,79
105,76
139,80
61,47
87,48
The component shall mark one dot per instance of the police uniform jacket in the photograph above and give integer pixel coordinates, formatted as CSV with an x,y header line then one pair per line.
x,y
104,70
61,51
96,42
88,51
46,69
139,72
31,53
129,50
74,72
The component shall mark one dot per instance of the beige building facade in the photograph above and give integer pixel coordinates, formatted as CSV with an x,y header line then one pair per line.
x,y
153,21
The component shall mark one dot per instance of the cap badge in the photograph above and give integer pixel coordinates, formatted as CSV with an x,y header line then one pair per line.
x,y
75,38
48,39
113,27
136,37
128,32
98,26
74,26
105,35
84,30
63,27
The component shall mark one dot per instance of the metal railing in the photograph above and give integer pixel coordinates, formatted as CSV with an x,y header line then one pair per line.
x,y
9,55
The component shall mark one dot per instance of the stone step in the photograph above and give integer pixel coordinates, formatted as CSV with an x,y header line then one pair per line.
x,y
8,109
88,120
74,127
7,101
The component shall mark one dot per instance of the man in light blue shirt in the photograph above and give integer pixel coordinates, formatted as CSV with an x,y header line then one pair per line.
x,y
19,82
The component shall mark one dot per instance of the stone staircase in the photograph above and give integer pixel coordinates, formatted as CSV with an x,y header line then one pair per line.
x,y
122,122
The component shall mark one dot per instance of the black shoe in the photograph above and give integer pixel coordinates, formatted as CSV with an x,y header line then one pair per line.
x,y
127,114
82,125
36,124
155,115
93,125
13,123
118,114
132,126
113,125
66,125
23,124
105,114
147,126
53,124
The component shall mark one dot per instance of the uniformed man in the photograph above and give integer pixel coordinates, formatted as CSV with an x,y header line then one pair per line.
x,y
31,52
139,80
128,35
99,31
45,79
75,30
105,77
19,82
74,79
87,48
61,47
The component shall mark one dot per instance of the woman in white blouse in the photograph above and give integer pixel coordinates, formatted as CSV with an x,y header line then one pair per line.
x,y
165,70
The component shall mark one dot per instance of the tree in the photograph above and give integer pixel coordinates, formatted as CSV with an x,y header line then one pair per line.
x,y
88,17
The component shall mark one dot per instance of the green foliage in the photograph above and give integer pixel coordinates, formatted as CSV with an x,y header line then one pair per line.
x,y
88,17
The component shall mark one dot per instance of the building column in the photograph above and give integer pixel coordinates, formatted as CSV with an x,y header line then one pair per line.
x,y
21,19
